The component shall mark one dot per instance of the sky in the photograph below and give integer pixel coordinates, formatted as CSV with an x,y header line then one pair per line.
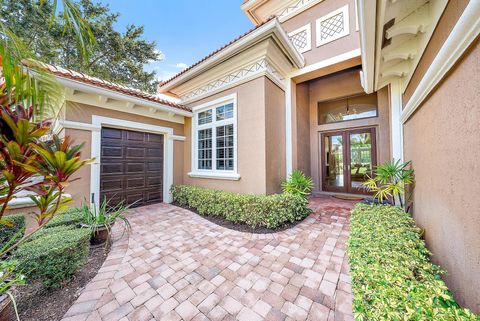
x,y
185,30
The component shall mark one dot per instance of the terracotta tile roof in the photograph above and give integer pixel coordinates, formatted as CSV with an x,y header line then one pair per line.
x,y
217,51
74,75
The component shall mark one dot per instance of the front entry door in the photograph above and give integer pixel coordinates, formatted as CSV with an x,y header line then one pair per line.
x,y
348,158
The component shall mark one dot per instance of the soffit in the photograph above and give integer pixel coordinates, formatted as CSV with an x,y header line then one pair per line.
x,y
403,31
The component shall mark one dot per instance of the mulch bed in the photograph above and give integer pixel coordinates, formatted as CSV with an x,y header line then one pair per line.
x,y
242,227
36,303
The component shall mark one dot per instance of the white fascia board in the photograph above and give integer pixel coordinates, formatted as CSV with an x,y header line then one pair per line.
x,y
88,88
366,11
260,33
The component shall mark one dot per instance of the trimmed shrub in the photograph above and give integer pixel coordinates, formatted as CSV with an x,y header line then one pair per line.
x,y
392,276
269,211
8,232
71,217
48,231
53,258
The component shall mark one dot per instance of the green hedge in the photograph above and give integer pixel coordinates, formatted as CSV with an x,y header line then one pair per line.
x,y
7,233
48,231
256,211
392,277
71,217
54,257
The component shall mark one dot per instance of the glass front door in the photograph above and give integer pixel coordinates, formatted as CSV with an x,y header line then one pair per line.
x,y
348,158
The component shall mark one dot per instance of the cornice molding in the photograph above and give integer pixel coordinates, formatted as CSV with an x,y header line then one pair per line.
x,y
250,71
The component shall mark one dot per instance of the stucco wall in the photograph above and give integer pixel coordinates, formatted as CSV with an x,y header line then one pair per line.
x,y
301,150
80,190
343,84
250,141
347,43
275,136
442,140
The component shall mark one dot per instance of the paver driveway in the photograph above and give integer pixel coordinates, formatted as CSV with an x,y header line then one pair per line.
x,y
178,266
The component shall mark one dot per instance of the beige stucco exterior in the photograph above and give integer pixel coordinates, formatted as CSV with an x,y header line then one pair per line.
x,y
260,110
331,49
442,140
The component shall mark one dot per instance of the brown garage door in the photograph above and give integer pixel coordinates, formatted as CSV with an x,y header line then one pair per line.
x,y
131,167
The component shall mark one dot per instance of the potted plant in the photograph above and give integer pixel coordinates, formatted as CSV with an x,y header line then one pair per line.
x,y
101,219
8,278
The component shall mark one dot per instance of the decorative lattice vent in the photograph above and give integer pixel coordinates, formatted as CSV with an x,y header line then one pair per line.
x,y
302,38
332,26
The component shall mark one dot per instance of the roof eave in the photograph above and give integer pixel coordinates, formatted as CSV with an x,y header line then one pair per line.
x,y
90,88
272,26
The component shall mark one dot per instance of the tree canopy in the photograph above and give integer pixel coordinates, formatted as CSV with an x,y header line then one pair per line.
x,y
115,56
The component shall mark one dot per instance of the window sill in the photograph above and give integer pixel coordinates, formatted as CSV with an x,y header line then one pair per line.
x,y
211,175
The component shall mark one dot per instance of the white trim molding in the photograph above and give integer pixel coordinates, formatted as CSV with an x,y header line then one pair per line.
x,y
396,127
326,63
213,175
463,34
288,129
366,15
260,67
302,38
212,105
100,121
271,29
334,25
78,125
296,8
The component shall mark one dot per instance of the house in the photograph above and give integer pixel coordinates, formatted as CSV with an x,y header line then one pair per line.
x,y
332,88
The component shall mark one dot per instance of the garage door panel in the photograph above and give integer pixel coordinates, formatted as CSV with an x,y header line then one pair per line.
x,y
137,198
155,167
111,133
154,152
112,151
154,138
154,181
135,168
135,152
135,136
136,182
112,168
112,184
131,167
154,197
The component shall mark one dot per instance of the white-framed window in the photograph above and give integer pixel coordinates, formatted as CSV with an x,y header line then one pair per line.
x,y
302,38
333,26
214,135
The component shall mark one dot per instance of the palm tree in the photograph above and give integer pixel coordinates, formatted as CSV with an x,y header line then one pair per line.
x,y
24,81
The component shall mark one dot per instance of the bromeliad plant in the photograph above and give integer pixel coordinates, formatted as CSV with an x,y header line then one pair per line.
x,y
298,184
392,181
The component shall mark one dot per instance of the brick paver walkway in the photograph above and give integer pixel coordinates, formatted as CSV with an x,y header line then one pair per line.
x,y
178,266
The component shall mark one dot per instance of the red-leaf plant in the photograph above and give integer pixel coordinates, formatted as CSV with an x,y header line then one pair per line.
x,y
23,154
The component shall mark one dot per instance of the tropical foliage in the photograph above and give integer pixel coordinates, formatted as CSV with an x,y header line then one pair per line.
x,y
298,184
32,86
115,56
104,216
269,211
24,151
392,277
393,181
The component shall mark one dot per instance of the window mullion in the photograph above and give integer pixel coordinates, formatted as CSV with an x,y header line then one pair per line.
x,y
214,140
